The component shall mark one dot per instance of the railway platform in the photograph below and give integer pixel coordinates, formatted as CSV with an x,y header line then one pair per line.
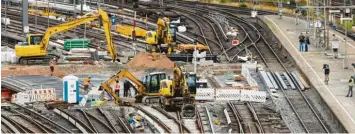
x,y
311,63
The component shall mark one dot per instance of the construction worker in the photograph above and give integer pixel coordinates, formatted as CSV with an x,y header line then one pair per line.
x,y
351,85
52,63
126,87
117,88
87,83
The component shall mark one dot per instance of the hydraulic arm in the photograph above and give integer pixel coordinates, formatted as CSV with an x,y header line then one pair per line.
x,y
120,75
37,44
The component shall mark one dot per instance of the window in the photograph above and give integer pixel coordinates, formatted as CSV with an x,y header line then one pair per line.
x,y
35,40
154,83
191,81
164,85
149,35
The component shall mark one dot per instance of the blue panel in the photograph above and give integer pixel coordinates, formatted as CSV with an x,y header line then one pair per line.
x,y
77,91
65,90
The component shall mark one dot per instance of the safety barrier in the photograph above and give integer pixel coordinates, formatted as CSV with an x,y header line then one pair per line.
x,y
35,95
204,94
252,95
252,83
227,94
211,94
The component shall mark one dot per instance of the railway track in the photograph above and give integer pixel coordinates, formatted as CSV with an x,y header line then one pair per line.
x,y
306,115
29,120
165,121
91,33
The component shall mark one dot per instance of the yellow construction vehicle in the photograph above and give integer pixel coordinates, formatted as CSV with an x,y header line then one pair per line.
x,y
161,37
191,47
35,49
179,94
32,11
150,86
127,30
49,12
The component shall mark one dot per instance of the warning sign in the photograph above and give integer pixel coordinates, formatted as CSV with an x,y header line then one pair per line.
x,y
235,42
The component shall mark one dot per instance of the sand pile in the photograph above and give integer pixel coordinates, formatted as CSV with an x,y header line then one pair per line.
x,y
144,60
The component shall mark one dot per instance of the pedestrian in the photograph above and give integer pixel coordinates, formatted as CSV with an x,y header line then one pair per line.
x,y
335,46
126,87
306,42
326,73
52,64
117,88
301,40
351,85
87,82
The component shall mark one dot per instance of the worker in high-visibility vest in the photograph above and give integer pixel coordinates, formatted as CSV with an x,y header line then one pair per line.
x,y
117,88
87,83
52,63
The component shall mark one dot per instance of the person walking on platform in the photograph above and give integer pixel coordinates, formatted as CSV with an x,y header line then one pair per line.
x,y
126,87
301,40
117,88
326,73
306,42
351,85
335,46
52,64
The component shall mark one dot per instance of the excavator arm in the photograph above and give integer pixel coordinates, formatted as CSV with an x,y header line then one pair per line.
x,y
124,73
72,24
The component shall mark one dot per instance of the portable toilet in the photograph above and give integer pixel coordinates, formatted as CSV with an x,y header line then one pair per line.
x,y
71,89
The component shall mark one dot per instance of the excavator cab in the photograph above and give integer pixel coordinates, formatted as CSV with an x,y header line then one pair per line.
x,y
166,88
152,81
31,47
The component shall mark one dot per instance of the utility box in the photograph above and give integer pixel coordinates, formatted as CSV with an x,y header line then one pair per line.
x,y
71,89
76,43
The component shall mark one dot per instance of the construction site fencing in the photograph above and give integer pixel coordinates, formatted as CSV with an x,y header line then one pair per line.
x,y
36,95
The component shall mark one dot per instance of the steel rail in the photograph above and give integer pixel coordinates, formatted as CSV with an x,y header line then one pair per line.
x,y
45,118
256,118
21,127
156,119
122,123
200,29
199,122
11,126
101,122
209,23
176,120
209,119
219,27
88,120
236,116
43,128
107,119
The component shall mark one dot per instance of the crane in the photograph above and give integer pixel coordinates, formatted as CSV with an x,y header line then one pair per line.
x,y
37,44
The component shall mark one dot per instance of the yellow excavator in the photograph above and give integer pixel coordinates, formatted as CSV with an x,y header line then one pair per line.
x,y
162,36
181,92
150,85
165,38
156,87
36,47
